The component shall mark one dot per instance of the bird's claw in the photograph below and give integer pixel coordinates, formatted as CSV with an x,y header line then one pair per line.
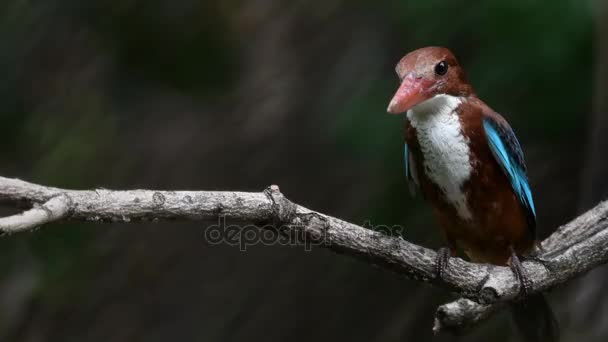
x,y
441,261
525,284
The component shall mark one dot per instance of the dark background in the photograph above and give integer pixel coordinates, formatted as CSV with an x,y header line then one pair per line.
x,y
237,95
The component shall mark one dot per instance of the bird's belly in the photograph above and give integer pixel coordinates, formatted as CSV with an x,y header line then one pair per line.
x,y
446,157
497,226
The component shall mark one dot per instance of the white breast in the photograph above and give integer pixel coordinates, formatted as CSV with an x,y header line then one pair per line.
x,y
444,148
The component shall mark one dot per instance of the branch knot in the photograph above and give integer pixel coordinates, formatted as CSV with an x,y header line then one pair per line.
x,y
283,210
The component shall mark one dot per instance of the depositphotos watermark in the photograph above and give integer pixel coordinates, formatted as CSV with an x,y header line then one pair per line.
x,y
244,236
247,235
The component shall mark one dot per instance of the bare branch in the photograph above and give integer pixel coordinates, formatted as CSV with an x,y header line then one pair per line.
x,y
574,249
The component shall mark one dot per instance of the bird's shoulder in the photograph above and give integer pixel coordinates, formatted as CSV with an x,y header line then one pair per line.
x,y
477,116
475,110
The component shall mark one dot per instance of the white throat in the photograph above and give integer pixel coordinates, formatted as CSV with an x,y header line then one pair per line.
x,y
444,148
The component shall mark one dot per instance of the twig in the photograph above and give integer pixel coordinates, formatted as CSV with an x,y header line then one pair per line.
x,y
54,209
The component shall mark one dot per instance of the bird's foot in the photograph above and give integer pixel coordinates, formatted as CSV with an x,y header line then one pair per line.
x,y
525,284
441,262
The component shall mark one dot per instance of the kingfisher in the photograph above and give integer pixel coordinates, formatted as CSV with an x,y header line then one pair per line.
x,y
464,158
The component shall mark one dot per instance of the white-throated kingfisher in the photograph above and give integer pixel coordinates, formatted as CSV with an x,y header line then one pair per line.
x,y
465,160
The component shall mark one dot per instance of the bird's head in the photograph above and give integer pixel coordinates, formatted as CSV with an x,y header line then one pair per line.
x,y
425,73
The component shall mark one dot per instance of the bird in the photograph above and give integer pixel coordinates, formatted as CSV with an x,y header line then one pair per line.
x,y
465,160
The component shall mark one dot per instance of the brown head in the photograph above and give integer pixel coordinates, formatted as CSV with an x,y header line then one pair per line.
x,y
425,73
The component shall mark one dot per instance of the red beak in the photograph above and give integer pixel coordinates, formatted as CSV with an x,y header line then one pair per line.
x,y
412,91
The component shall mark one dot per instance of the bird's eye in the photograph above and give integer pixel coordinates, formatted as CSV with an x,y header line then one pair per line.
x,y
441,68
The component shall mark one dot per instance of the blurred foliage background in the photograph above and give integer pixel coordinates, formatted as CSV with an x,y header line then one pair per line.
x,y
237,95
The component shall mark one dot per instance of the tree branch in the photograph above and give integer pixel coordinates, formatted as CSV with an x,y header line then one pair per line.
x,y
461,315
573,249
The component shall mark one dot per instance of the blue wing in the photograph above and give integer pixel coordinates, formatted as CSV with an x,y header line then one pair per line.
x,y
410,170
510,157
